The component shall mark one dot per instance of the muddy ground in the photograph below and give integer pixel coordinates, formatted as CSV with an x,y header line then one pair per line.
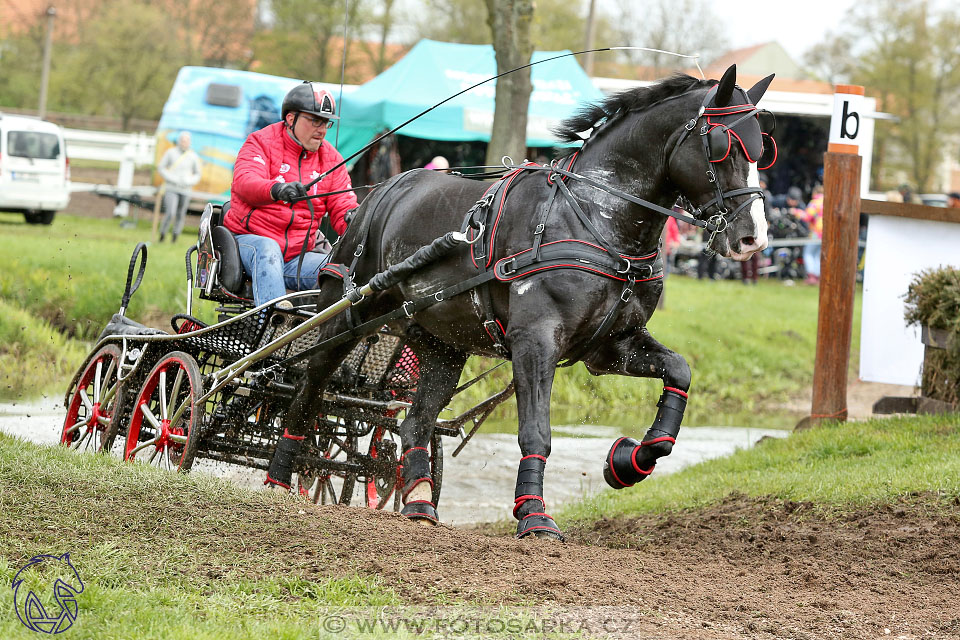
x,y
747,568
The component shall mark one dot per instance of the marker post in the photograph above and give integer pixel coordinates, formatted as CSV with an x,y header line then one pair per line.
x,y
838,274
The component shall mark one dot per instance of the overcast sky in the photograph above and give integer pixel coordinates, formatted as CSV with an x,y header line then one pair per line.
x,y
795,25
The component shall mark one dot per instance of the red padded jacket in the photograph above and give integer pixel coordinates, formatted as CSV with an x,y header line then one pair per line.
x,y
270,156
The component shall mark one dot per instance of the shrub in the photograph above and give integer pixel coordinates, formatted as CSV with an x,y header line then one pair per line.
x,y
933,299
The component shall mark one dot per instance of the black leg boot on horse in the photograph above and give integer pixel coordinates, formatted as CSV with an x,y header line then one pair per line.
x,y
628,461
440,368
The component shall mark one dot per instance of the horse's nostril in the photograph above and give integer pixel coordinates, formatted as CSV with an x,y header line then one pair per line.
x,y
748,241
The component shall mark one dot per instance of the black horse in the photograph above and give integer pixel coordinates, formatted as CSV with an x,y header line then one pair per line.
x,y
596,283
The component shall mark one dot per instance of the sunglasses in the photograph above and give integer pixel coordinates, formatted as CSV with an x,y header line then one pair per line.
x,y
318,122
720,139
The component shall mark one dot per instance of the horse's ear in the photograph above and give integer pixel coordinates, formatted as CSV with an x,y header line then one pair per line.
x,y
725,88
756,91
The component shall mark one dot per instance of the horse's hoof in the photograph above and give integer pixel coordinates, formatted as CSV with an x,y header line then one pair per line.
x,y
540,525
422,511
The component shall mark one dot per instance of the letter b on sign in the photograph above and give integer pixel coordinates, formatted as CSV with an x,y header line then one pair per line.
x,y
845,123
846,130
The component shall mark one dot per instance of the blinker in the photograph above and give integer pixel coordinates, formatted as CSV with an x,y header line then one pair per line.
x,y
741,123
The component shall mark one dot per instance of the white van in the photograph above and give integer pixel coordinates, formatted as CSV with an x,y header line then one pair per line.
x,y
34,170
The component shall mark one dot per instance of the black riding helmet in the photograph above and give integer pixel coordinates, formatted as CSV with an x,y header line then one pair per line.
x,y
309,97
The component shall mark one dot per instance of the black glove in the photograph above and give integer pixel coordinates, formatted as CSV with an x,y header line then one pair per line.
x,y
348,216
287,191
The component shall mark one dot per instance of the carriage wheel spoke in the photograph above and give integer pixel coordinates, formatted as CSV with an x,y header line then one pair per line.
x,y
82,423
151,418
162,386
141,447
109,394
96,381
178,439
177,416
85,399
175,392
153,456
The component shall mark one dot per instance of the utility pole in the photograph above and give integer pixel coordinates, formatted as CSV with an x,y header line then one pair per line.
x,y
588,40
47,46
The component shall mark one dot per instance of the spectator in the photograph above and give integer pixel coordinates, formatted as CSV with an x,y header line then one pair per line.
x,y
811,252
438,162
907,194
953,200
707,264
670,240
180,169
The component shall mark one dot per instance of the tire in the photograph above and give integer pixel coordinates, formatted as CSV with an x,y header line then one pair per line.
x,y
156,434
95,404
39,217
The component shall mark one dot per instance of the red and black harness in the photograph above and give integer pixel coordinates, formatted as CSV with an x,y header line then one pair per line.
x,y
599,257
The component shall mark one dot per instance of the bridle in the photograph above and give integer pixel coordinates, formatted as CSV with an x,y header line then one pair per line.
x,y
715,136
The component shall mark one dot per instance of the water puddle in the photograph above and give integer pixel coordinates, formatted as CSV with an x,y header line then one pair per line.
x,y
478,484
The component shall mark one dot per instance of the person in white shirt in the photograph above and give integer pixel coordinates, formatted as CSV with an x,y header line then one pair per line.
x,y
180,170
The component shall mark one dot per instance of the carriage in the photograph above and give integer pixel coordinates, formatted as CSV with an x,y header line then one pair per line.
x,y
218,392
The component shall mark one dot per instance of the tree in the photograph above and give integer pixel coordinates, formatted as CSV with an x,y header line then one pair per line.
x,y
510,22
306,40
905,54
680,26
115,69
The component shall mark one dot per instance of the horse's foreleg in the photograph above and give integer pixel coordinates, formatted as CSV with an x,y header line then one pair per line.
x,y
629,461
535,354
440,368
301,416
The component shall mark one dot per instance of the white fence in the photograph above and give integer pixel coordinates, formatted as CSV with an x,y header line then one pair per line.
x,y
130,150
110,146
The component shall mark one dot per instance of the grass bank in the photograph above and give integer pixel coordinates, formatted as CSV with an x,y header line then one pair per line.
x,y
836,467
751,349
160,580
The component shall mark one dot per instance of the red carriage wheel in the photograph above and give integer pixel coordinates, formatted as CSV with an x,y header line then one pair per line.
x,y
93,404
166,418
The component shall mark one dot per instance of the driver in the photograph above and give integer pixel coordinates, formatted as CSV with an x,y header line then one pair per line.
x,y
272,168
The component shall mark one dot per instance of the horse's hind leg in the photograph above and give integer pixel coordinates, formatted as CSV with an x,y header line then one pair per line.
x,y
440,368
629,461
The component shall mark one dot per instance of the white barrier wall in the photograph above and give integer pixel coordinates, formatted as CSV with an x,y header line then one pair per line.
x,y
897,249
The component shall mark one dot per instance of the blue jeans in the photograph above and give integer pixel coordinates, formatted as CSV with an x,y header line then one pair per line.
x,y
811,258
263,261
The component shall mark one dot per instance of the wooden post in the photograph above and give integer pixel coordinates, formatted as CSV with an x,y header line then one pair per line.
x,y
838,272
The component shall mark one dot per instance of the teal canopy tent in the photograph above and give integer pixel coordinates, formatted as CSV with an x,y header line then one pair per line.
x,y
433,71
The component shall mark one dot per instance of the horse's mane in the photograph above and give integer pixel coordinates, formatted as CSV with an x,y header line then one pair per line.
x,y
625,101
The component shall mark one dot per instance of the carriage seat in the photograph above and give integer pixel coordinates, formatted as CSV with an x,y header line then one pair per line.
x,y
220,274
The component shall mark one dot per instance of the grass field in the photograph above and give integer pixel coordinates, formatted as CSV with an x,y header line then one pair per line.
x,y
750,348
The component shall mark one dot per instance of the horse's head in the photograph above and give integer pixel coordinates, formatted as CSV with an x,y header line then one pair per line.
x,y
713,164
